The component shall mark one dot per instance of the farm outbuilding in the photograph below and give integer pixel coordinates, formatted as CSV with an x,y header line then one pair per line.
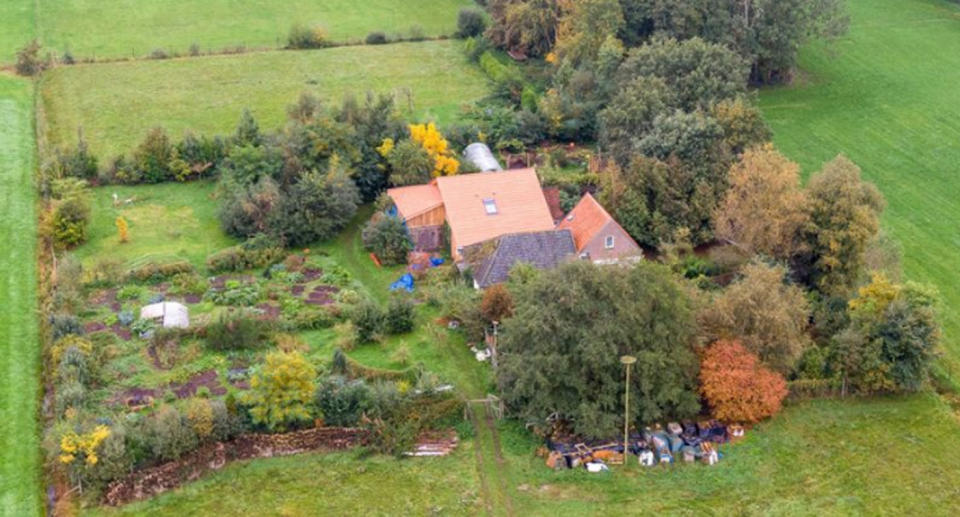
x,y
167,314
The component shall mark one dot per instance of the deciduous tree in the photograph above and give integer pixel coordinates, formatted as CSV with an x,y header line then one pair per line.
x,y
281,392
844,215
560,352
764,207
763,311
736,386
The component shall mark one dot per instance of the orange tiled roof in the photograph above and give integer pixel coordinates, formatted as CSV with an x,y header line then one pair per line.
x,y
516,193
416,199
585,220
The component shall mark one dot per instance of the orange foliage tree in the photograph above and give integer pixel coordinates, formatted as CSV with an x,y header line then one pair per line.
x,y
736,386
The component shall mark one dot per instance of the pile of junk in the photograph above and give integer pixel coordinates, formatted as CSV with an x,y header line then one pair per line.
x,y
688,443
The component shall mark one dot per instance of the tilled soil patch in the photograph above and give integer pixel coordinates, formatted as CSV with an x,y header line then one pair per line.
x,y
207,378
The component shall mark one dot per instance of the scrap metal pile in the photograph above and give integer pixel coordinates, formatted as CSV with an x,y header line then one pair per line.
x,y
689,443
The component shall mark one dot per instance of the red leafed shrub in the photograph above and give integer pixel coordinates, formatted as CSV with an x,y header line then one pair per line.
x,y
737,387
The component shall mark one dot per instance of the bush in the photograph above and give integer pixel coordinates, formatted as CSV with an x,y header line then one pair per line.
x,y
737,387
70,221
399,318
200,416
236,331
497,304
242,258
28,59
303,37
387,238
280,393
368,320
154,272
169,434
62,325
78,162
152,158
130,292
342,402
376,38
470,23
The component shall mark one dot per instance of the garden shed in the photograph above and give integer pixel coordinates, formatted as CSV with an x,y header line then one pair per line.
x,y
167,314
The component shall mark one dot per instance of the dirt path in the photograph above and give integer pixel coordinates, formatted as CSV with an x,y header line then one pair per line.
x,y
491,465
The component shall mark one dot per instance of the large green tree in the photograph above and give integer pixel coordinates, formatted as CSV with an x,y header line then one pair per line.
x,y
844,215
561,349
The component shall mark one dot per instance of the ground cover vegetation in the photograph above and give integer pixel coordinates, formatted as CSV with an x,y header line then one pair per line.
x,y
20,464
431,81
139,28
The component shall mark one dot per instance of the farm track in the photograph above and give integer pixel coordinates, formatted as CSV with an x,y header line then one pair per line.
x,y
491,465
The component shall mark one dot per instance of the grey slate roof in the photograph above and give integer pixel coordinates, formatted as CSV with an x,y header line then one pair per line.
x,y
543,250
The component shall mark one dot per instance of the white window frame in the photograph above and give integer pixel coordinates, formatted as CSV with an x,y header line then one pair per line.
x,y
609,242
490,206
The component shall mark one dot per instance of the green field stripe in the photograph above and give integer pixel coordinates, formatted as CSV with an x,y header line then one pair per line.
x,y
19,343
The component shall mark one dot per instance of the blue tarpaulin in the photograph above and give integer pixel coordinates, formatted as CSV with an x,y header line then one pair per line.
x,y
404,282
436,261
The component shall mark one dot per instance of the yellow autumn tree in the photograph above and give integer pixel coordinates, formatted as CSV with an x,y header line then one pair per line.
x,y
122,228
427,135
281,393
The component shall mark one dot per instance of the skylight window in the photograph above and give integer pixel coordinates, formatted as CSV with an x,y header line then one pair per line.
x,y
490,206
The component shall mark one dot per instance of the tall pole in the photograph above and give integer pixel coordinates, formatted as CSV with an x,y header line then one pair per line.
x,y
627,362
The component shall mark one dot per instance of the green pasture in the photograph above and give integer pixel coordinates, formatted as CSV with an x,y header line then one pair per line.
x,y
888,96
20,468
134,28
16,27
117,103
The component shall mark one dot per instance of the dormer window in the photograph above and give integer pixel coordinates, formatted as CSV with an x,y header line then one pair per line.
x,y
490,206
608,242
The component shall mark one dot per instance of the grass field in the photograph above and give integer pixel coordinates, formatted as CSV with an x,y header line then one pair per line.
x,y
125,28
888,96
16,27
861,457
19,342
117,103
326,484
171,221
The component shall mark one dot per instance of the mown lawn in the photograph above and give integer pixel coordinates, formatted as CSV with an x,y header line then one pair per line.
x,y
20,492
117,103
888,96
171,221
326,484
134,28
16,27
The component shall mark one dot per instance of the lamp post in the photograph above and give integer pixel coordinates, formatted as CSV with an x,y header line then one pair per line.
x,y
627,361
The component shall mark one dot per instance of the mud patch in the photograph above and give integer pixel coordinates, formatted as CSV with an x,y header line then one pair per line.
x,y
207,378
93,326
322,295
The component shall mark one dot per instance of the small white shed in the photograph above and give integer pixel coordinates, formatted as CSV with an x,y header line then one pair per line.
x,y
168,314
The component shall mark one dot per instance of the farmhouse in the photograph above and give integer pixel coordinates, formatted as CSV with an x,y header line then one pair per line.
x,y
597,235
477,207
492,260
